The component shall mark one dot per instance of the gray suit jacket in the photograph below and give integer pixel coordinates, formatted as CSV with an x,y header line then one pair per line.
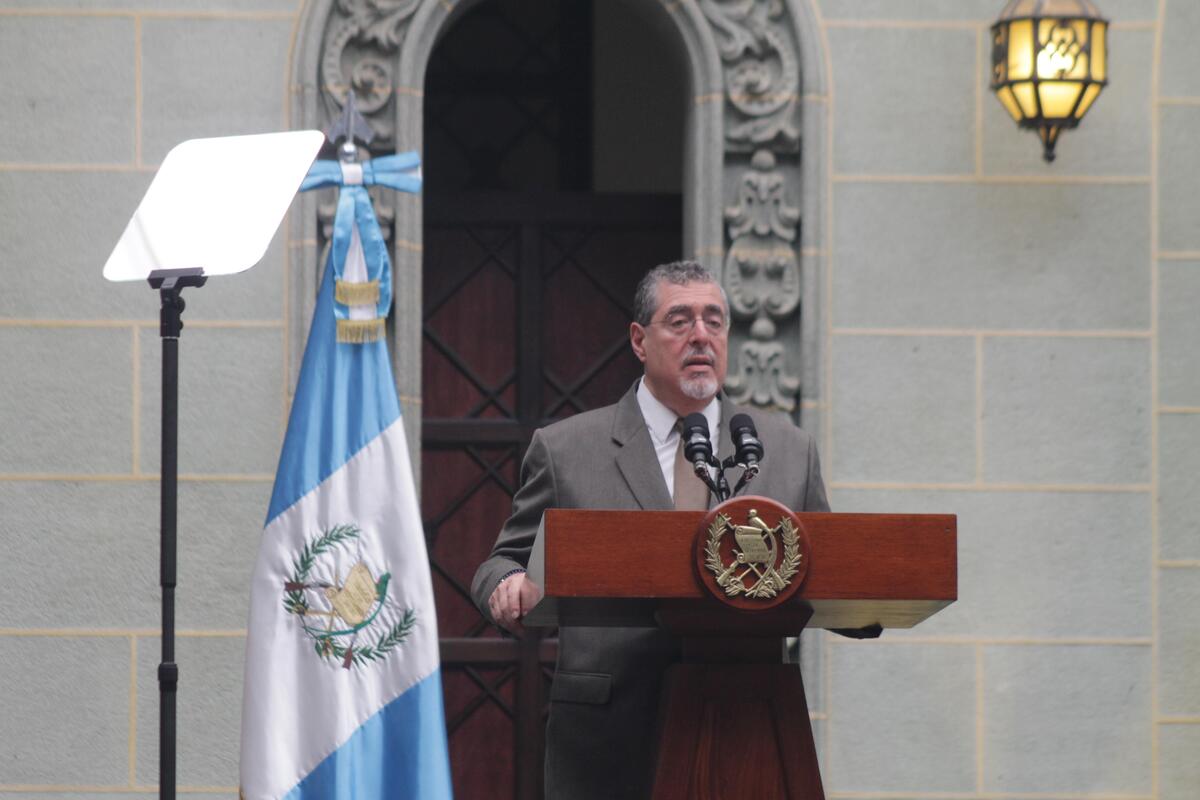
x,y
604,700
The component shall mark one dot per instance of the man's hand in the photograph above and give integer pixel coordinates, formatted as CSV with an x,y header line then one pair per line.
x,y
867,632
511,600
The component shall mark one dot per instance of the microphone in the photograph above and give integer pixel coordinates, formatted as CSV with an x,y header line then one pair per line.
x,y
748,449
697,448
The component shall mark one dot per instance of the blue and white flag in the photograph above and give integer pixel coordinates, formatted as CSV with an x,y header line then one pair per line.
x,y
343,694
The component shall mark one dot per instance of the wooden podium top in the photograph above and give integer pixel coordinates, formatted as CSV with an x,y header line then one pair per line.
x,y
625,567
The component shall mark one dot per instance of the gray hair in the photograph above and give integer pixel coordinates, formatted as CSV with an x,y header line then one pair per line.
x,y
680,273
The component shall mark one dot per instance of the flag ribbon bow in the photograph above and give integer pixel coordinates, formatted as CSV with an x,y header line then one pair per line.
x,y
358,254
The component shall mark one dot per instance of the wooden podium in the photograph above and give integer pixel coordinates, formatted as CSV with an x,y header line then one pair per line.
x,y
733,717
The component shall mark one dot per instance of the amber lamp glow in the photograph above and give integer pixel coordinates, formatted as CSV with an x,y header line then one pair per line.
x,y
1049,63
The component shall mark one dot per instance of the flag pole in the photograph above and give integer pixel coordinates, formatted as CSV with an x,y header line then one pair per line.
x,y
170,285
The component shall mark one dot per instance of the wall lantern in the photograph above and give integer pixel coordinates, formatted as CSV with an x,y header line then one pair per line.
x,y
1049,63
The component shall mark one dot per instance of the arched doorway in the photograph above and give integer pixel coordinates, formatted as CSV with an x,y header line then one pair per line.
x,y
553,163
754,155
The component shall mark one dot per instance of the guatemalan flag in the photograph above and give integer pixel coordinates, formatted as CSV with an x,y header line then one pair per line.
x,y
343,694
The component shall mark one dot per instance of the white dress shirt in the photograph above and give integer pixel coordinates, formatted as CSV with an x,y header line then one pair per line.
x,y
661,422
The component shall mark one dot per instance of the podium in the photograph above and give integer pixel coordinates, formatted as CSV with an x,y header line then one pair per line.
x,y
733,719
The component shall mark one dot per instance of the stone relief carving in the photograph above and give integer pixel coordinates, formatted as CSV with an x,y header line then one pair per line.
x,y
761,271
762,73
358,51
762,275
762,280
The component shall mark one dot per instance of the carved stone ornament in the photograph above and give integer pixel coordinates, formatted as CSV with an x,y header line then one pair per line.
x,y
762,280
759,62
763,378
762,73
761,70
358,51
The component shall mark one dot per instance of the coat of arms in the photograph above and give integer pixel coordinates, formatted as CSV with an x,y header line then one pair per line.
x,y
343,608
764,558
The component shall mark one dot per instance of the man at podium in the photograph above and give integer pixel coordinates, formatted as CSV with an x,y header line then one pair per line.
x,y
604,700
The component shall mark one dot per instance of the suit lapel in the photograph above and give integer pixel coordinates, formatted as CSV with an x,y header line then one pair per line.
x,y
636,458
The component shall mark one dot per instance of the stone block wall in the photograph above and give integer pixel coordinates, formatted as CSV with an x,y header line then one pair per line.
x,y
94,94
1009,341
1005,340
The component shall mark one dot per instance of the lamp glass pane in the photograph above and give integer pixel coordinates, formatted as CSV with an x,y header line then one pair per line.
x,y
1009,102
1058,98
1059,49
1089,97
1024,95
1099,51
1020,50
1082,29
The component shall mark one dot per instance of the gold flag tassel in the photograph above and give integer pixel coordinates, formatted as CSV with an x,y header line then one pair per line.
x,y
360,331
356,294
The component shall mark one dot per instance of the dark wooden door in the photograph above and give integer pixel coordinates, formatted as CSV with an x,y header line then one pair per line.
x,y
526,312
528,277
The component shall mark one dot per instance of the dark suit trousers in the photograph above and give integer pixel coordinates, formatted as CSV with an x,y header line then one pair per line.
x,y
591,713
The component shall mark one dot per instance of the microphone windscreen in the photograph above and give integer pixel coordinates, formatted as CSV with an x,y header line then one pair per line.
x,y
695,422
742,422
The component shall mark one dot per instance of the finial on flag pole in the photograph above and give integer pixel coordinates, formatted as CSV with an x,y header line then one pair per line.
x,y
349,126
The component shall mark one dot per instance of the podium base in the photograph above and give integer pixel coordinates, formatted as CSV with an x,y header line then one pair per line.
x,y
736,730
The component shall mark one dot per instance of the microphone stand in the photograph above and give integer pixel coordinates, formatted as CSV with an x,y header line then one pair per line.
x,y
722,484
700,452
701,469
719,487
749,471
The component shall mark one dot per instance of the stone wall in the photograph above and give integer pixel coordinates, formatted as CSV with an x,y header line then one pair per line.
x,y
1004,340
94,94
1011,342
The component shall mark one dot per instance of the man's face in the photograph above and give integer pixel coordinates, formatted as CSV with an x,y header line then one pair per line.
x,y
684,347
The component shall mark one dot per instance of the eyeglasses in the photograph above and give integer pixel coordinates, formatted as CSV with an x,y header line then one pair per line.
x,y
679,325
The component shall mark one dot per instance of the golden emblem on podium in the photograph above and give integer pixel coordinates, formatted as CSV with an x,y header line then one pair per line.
x,y
756,569
753,549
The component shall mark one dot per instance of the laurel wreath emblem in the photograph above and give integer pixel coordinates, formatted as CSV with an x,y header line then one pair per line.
x,y
341,645
771,581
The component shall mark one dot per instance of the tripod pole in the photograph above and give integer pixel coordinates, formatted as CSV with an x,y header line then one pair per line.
x,y
170,284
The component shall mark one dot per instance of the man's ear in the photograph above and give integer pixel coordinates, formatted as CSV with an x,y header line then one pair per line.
x,y
637,340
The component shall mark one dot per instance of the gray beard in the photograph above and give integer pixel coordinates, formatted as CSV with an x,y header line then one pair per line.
x,y
699,388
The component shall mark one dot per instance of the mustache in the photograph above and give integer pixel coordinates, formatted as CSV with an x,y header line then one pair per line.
x,y
705,351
